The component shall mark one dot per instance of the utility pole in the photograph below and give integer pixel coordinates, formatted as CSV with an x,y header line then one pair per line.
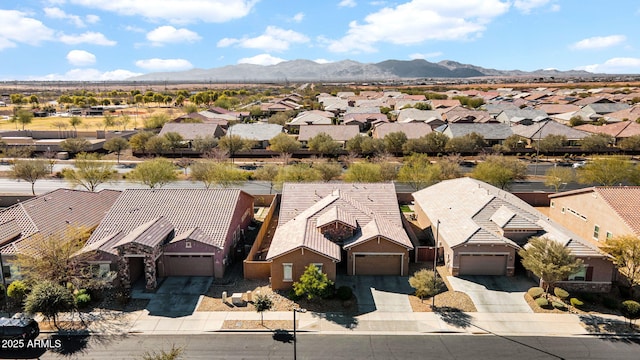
x,y
435,263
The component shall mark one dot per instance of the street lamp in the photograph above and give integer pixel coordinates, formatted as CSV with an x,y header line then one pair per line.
x,y
295,339
435,259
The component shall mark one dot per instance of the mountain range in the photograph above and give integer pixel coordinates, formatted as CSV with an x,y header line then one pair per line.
x,y
346,70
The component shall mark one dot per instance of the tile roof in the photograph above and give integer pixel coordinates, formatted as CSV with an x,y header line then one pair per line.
x,y
195,234
558,108
473,212
337,132
255,131
548,127
490,131
412,130
459,113
308,118
365,117
53,213
373,207
411,114
210,210
621,129
150,234
607,108
190,131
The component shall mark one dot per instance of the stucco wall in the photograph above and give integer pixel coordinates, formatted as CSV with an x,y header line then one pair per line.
x,y
596,211
378,245
300,259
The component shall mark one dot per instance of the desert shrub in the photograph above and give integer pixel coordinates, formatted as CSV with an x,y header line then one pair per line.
x,y
609,303
535,292
561,293
17,290
576,303
558,305
291,295
542,302
82,298
344,293
630,309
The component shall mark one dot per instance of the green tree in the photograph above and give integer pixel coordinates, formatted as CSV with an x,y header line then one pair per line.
x,y
426,283
552,142
596,142
557,176
116,145
328,169
49,299
469,143
139,141
631,143
625,252
607,171
313,283
394,141
174,140
156,121
500,171
90,171
204,144
154,173
108,121
449,167
324,144
74,121
513,143
297,173
233,144
268,172
418,171
630,310
30,170
75,145
157,145
549,260
370,146
576,121
280,118
363,172
217,173
285,145
262,303
24,117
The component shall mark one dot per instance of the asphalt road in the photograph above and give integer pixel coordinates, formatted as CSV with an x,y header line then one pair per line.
x,y
317,346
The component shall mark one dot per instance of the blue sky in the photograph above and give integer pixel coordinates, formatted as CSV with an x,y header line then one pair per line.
x,y
116,39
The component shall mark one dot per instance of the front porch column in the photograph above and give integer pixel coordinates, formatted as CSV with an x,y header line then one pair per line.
x,y
124,273
150,272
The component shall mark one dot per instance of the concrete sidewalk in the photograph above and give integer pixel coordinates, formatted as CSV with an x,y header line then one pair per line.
x,y
502,324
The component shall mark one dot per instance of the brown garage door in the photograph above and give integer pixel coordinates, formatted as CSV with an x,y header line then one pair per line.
x,y
484,264
188,265
371,264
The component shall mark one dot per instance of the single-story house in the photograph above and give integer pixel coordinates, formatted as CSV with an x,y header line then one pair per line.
x,y
480,229
549,127
339,133
171,232
524,116
493,133
412,130
364,120
460,114
603,109
618,130
51,213
191,131
261,133
324,224
598,213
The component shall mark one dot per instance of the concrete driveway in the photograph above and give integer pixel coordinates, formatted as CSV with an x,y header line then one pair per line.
x,y
178,296
379,293
495,294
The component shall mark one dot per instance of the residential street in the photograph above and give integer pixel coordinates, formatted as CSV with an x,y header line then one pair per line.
x,y
316,346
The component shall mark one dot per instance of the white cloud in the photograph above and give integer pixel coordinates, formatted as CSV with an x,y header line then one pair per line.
x,y
418,21
526,6
615,66
89,37
89,75
92,19
298,17
169,34
273,39
347,3
322,61
132,28
81,58
425,56
17,27
57,13
176,11
262,59
164,64
598,42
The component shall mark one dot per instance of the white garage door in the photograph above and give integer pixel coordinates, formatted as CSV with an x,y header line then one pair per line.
x,y
483,264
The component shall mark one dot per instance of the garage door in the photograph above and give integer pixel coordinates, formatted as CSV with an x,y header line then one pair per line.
x,y
484,264
188,265
371,264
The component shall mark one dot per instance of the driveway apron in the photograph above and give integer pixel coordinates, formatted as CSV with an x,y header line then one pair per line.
x,y
495,294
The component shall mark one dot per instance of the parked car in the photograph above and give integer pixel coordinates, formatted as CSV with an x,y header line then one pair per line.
x,y
579,164
18,328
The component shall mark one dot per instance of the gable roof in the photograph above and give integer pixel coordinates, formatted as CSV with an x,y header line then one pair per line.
x,y
412,130
337,132
473,212
150,234
304,206
53,213
210,210
411,114
490,131
621,129
190,131
307,118
548,127
255,131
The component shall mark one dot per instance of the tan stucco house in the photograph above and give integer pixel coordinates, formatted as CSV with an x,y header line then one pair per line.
x,y
480,228
329,223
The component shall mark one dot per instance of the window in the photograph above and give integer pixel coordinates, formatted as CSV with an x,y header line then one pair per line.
x,y
584,274
187,244
609,235
596,232
6,271
553,204
101,270
318,266
287,273
562,210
